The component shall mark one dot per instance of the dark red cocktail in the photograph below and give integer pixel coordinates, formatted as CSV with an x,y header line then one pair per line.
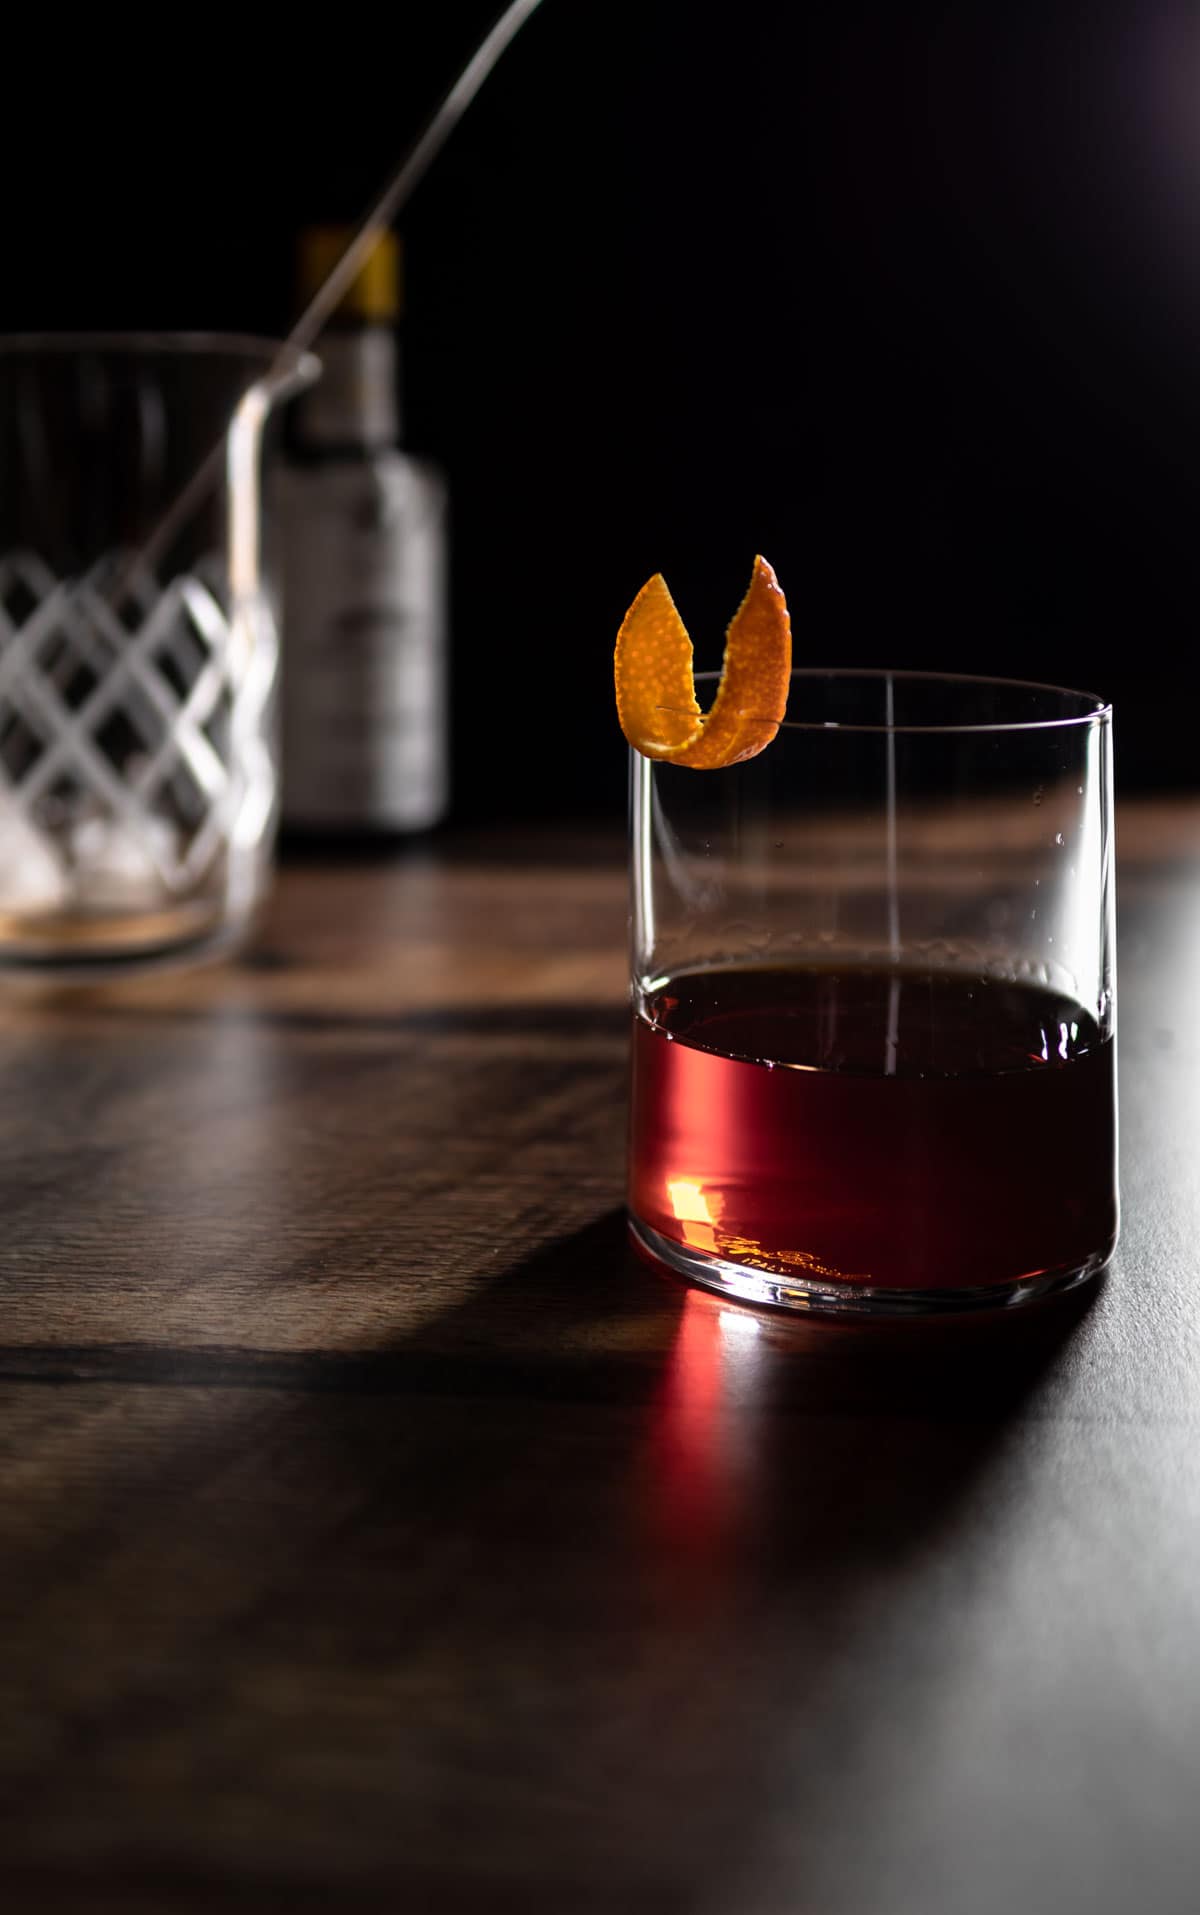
x,y
887,1130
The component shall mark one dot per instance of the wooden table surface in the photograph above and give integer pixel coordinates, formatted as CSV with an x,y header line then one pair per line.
x,y
378,1534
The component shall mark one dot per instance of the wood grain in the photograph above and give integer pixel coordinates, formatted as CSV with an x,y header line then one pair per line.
x,y
378,1533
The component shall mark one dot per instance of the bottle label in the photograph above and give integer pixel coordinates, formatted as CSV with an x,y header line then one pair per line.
x,y
364,644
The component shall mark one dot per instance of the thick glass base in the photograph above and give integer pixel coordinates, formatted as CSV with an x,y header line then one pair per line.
x,y
820,1296
85,946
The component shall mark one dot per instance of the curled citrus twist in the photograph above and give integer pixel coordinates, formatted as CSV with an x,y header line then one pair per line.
x,y
656,689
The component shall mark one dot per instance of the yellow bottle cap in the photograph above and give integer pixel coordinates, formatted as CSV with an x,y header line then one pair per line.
x,y
374,293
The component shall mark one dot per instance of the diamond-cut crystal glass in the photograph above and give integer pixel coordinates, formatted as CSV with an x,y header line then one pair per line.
x,y
138,643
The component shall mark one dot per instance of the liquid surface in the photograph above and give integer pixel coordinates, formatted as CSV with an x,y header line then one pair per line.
x,y
897,1128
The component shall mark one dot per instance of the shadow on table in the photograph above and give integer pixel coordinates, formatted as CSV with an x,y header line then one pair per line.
x,y
594,1594
673,1564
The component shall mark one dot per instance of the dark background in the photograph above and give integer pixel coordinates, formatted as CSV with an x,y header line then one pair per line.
x,y
907,298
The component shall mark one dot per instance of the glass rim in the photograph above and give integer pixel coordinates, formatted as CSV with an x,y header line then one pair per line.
x,y
274,355
1099,710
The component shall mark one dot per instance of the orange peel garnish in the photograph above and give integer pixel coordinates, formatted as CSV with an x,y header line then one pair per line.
x,y
656,689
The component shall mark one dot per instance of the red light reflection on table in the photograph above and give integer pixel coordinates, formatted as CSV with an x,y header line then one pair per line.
x,y
697,1499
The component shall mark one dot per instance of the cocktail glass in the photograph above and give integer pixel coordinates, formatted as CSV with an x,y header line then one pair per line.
x,y
873,1000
